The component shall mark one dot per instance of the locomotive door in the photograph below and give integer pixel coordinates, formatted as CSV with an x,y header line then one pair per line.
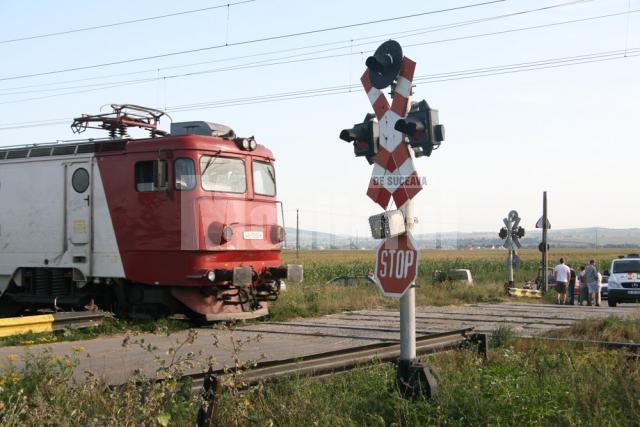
x,y
79,186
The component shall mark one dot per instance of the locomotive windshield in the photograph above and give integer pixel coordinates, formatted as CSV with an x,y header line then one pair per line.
x,y
223,174
264,179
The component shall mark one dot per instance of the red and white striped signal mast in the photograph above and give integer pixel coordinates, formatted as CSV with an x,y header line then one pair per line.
x,y
386,144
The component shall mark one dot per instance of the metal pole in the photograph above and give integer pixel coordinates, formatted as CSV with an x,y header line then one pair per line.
x,y
297,233
408,303
545,254
510,268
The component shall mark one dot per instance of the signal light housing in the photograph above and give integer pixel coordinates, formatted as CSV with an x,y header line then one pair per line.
x,y
503,233
365,137
385,64
422,128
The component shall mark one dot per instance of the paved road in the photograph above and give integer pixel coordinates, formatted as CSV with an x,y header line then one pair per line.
x,y
108,356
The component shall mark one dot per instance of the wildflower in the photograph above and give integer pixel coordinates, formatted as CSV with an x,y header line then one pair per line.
x,y
12,356
78,348
14,378
2,381
28,342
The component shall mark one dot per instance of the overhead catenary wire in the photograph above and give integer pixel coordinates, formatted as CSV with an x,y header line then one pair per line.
x,y
283,61
400,34
250,41
343,89
117,24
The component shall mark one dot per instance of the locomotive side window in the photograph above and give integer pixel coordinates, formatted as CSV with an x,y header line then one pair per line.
x,y
223,174
151,175
264,179
80,180
184,171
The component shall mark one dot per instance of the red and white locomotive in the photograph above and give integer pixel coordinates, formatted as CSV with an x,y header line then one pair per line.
x,y
184,222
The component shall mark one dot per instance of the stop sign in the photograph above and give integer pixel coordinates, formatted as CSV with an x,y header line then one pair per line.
x,y
396,265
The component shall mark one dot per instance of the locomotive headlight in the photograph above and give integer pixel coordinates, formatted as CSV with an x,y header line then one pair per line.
x,y
227,233
211,276
246,144
253,144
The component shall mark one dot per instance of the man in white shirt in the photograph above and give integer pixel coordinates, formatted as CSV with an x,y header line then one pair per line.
x,y
561,275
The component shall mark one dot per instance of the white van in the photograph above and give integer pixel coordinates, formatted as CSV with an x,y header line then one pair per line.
x,y
624,280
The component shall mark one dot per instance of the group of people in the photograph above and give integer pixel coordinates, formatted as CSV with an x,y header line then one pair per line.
x,y
587,284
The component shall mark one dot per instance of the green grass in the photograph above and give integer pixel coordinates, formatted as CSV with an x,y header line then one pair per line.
x,y
539,386
613,328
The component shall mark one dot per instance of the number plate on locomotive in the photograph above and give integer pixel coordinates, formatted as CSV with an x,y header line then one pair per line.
x,y
253,235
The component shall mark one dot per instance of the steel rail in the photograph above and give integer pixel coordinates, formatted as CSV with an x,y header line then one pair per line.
x,y
338,360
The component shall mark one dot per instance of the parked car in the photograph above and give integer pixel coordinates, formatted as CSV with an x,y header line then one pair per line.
x,y
624,280
460,275
540,278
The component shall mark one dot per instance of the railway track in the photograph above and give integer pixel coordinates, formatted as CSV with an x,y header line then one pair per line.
x,y
318,365
50,322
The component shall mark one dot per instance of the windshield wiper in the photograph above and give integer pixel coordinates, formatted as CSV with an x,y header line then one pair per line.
x,y
272,175
210,162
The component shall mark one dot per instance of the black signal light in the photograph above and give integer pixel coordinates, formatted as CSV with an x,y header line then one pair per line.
x,y
503,233
422,128
385,64
365,138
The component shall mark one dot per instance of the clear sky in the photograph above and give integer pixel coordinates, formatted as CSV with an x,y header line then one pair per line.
x,y
571,130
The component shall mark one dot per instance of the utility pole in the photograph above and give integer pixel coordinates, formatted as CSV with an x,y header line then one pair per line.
x,y
545,246
297,233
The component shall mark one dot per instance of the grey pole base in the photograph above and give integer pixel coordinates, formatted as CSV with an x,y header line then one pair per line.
x,y
416,380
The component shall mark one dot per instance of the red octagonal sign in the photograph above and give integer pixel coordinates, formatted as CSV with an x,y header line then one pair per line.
x,y
396,265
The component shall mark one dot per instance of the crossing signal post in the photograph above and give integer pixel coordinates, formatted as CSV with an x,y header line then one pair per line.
x,y
511,233
365,137
401,132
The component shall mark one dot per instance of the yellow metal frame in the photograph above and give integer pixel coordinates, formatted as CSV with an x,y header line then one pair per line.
x,y
531,293
20,325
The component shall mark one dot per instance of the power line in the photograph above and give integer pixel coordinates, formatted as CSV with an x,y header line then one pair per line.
x,y
433,78
247,42
401,34
116,24
337,90
283,61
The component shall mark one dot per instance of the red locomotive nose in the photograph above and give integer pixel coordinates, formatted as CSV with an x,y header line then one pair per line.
x,y
181,222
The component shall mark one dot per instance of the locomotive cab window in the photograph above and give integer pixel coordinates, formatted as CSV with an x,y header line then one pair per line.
x,y
184,172
264,179
223,174
151,175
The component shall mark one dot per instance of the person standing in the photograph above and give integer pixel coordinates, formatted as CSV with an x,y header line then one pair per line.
x,y
591,276
584,289
572,284
561,275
